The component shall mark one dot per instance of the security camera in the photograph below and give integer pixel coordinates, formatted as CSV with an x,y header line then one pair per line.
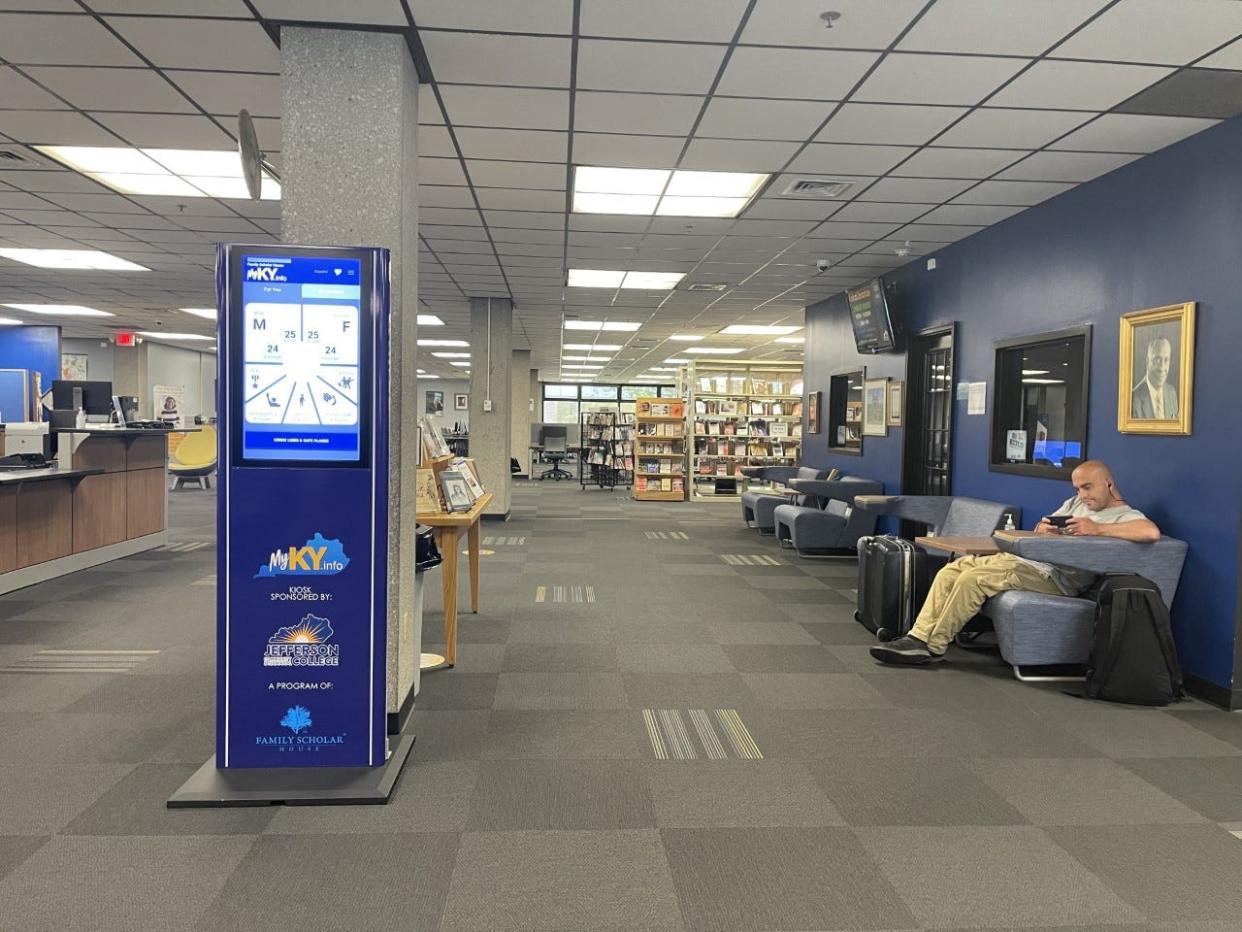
x,y
822,264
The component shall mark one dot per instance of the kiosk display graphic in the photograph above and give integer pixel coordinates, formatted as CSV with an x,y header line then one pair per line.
x,y
302,592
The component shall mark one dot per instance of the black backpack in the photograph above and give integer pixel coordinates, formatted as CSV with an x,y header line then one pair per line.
x,y
1133,658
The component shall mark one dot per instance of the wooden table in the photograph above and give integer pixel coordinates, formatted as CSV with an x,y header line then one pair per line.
x,y
448,527
976,546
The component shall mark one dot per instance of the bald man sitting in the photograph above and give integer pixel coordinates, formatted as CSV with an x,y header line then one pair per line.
x,y
960,589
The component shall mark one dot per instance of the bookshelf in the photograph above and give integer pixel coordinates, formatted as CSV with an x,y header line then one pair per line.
x,y
607,455
742,414
660,450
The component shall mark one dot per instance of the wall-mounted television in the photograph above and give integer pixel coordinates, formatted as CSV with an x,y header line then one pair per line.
x,y
873,328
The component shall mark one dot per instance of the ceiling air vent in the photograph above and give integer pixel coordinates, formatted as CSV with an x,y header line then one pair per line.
x,y
13,157
817,188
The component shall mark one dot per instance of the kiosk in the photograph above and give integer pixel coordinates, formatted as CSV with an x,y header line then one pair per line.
x,y
303,530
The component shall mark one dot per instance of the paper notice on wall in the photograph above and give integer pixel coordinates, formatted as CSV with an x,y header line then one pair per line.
x,y
963,391
1015,445
977,400
170,404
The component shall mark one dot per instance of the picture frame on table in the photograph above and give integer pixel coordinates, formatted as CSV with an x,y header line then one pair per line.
x,y
875,408
457,495
1155,374
896,402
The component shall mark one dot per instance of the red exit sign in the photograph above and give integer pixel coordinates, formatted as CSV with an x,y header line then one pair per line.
x,y
124,339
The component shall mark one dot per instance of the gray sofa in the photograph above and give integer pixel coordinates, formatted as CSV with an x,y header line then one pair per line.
x,y
830,523
1034,629
759,506
948,515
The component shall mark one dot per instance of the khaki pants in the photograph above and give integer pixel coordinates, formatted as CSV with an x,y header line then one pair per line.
x,y
960,589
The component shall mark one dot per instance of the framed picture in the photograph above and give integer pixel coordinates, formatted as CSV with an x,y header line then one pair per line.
x,y
461,401
435,402
1155,376
73,366
875,408
456,492
896,402
427,495
812,412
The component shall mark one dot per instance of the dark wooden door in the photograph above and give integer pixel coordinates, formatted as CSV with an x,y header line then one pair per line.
x,y
928,450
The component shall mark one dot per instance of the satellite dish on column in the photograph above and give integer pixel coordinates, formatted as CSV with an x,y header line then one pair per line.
x,y
252,161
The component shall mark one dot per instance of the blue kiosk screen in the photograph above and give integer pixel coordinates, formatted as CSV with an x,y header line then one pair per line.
x,y
301,352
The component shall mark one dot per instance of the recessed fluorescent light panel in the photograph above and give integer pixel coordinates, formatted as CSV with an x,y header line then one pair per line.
x,y
6,321
755,330
443,343
791,340
627,326
715,350
647,192
451,355
685,337
594,347
578,365
163,172
677,362
72,259
429,320
61,310
426,376
663,369
587,358
460,365
160,335
208,313
607,278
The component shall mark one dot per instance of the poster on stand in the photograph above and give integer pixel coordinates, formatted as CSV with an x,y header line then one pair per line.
x,y
170,405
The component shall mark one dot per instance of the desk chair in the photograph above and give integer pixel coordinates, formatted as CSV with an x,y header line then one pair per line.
x,y
555,450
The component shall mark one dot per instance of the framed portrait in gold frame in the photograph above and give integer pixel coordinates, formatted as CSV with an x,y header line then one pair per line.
x,y
1155,375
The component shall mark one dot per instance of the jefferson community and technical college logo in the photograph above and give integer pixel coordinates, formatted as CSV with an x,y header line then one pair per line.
x,y
303,645
319,556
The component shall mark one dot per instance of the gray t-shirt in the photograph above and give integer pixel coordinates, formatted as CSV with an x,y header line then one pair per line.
x,y
1073,583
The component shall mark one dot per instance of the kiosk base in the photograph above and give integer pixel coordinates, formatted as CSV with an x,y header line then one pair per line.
x,y
212,788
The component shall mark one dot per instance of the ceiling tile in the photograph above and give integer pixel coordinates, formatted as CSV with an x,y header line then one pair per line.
x,y
853,229
436,141
696,20
935,162
880,213
475,58
164,131
936,233
356,12
103,203
524,219
1065,166
60,40
428,107
1228,57
51,181
18,93
890,124
1171,32
1190,92
1001,127
1017,193
127,89
665,68
835,159
520,199
53,128
527,145
518,108
914,190
541,16
431,195
227,93
746,155
626,151
813,74
997,27
970,214
1078,85
864,24
743,118
937,79
221,45
642,114
778,208
754,227
495,174
1126,132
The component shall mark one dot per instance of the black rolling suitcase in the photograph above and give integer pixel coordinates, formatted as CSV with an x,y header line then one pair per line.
x,y
893,576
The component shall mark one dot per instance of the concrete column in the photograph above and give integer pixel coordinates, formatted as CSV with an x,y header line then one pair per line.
x,y
129,376
349,124
519,440
491,388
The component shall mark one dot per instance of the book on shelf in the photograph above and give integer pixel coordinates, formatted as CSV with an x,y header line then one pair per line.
x,y
679,485
797,429
640,483
759,428
796,410
643,408
720,384
780,429
426,492
737,384
722,469
796,387
760,387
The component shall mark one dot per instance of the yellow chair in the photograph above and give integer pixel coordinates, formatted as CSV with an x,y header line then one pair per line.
x,y
194,459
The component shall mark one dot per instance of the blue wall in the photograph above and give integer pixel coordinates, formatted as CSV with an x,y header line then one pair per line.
x,y
1162,230
34,348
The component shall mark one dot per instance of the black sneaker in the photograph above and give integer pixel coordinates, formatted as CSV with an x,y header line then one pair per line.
x,y
908,650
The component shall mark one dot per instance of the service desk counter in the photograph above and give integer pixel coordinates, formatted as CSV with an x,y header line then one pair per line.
x,y
108,500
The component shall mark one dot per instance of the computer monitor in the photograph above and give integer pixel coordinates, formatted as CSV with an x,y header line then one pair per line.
x,y
126,408
96,396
